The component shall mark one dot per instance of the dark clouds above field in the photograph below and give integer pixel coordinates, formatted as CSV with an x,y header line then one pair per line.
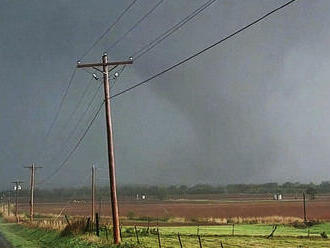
x,y
255,109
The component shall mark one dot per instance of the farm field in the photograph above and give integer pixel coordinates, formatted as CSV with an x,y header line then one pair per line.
x,y
199,216
316,209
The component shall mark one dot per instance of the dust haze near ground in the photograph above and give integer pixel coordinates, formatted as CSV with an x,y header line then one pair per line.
x,y
255,109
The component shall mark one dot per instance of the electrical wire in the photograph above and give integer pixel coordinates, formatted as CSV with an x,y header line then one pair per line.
x,y
117,78
135,25
74,148
203,50
114,44
170,31
167,33
74,111
75,128
66,90
61,103
74,71
108,29
77,106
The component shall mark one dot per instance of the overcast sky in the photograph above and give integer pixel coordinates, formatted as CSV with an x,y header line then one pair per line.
x,y
254,109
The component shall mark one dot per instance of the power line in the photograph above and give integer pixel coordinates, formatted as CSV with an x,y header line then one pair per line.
x,y
167,33
74,71
203,50
70,135
77,106
171,30
75,128
66,90
61,103
74,148
107,30
73,112
135,25
117,78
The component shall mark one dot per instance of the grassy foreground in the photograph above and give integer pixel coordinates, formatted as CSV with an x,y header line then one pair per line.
x,y
211,236
252,235
249,230
21,236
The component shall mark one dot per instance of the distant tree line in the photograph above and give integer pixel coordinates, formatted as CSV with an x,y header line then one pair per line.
x,y
267,188
164,192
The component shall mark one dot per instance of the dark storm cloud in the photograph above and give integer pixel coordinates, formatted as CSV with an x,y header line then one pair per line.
x,y
255,109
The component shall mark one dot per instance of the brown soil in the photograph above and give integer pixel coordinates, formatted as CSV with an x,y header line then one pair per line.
x,y
316,209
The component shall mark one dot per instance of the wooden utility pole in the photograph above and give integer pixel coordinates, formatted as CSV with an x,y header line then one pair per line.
x,y
304,201
111,158
8,206
32,184
17,187
93,193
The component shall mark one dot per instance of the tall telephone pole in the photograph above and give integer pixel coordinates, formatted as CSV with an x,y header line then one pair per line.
x,y
32,184
93,193
111,158
17,187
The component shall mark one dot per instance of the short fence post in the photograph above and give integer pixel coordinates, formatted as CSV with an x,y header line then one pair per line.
x,y
233,230
159,242
67,219
179,238
148,225
87,224
106,233
137,235
197,230
97,224
308,233
121,236
199,240
272,233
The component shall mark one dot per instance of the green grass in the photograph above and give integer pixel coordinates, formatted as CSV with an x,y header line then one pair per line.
x,y
248,229
22,237
246,236
233,242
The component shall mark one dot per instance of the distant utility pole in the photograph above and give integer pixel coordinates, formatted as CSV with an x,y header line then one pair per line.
x,y
304,201
17,187
8,206
32,184
93,193
112,174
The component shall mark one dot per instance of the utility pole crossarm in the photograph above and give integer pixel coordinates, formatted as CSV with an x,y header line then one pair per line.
x,y
128,62
17,182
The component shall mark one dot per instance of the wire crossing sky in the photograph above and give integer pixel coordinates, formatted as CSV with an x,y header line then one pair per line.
x,y
108,30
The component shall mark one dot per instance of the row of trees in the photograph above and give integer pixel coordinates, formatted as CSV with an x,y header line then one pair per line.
x,y
163,192
267,188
